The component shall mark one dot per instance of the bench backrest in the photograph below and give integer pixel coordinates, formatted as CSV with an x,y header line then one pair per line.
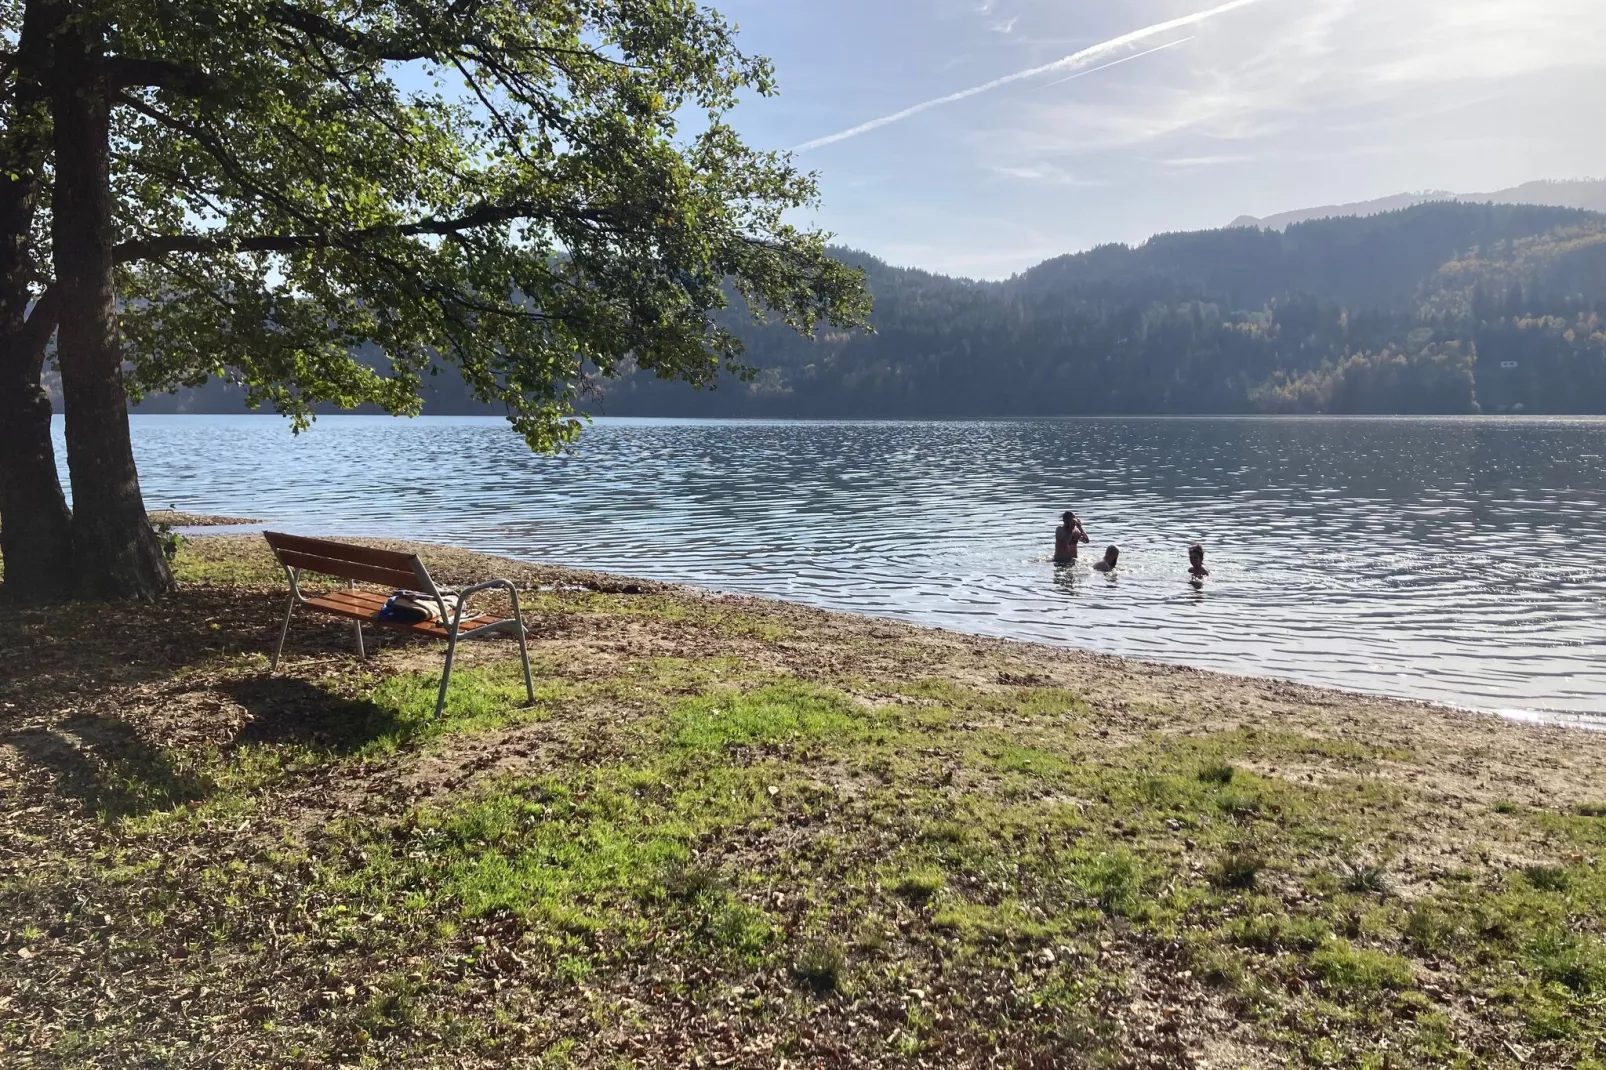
x,y
387,568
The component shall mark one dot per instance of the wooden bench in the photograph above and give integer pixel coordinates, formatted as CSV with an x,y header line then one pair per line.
x,y
397,571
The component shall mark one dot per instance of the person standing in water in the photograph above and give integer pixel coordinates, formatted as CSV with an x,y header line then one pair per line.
x,y
1066,538
1111,554
1196,567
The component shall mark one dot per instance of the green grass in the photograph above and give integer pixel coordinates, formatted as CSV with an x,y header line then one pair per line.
x,y
1350,971
607,859
400,711
709,841
552,848
1239,868
1278,932
193,564
819,968
919,885
782,715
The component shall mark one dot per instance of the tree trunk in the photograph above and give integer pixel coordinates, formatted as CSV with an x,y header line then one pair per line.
x,y
115,552
35,527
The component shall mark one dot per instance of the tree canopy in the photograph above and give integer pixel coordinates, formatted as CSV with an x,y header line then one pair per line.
x,y
530,194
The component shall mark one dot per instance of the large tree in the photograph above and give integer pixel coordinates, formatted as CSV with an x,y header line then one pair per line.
x,y
34,525
528,193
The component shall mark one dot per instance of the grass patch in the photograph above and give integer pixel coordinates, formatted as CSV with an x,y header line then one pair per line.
x,y
1277,932
1364,878
230,562
819,968
1113,879
565,848
1239,868
1431,929
1547,878
919,885
780,715
400,711
1351,971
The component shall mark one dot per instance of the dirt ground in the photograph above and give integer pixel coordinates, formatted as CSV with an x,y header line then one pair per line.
x,y
1072,859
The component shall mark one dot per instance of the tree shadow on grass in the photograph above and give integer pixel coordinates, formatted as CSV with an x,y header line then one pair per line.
x,y
87,648
104,764
286,710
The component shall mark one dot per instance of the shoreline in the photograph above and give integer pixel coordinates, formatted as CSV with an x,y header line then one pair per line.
x,y
739,831
1512,417
1091,669
195,525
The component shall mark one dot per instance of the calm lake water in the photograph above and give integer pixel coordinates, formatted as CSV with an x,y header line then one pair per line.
x,y
1458,560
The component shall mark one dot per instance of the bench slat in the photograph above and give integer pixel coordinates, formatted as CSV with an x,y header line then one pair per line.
x,y
341,551
349,570
367,602
365,606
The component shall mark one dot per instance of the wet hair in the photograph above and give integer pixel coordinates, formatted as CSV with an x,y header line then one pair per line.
x,y
1194,551
1111,553
1067,516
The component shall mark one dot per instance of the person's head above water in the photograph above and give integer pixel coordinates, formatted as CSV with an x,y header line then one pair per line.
x,y
1068,518
1196,554
1110,555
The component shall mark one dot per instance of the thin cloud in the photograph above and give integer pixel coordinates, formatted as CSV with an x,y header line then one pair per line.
x,y
1071,62
1117,63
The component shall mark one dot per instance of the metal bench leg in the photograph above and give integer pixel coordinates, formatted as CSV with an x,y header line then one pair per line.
x,y
524,650
446,672
352,586
289,611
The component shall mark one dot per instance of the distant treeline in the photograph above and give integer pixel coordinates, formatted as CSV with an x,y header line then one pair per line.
x,y
1439,308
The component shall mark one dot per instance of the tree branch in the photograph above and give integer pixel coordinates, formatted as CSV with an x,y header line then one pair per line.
x,y
41,323
127,72
316,25
163,245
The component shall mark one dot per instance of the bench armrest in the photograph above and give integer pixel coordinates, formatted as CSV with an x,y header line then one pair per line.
x,y
488,585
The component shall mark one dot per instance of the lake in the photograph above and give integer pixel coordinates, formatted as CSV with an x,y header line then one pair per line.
x,y
1459,560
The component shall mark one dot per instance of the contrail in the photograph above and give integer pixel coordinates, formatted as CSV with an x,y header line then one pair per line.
x,y
1116,62
1075,59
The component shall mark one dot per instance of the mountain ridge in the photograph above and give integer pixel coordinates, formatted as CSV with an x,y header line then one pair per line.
x,y
1585,193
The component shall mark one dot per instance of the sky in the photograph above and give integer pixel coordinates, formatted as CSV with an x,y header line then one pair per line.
x,y
979,137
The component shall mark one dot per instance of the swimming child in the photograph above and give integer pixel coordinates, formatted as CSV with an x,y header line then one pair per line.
x,y
1066,538
1196,567
1108,564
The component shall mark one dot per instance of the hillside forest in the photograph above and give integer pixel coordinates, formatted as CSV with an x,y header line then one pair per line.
x,y
1439,308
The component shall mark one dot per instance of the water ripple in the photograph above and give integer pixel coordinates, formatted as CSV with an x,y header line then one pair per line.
x,y
1462,560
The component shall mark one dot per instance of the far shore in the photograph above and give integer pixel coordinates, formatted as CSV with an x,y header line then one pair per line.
x,y
736,831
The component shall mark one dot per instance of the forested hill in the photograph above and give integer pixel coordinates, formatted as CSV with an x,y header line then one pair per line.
x,y
1416,311
1439,308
